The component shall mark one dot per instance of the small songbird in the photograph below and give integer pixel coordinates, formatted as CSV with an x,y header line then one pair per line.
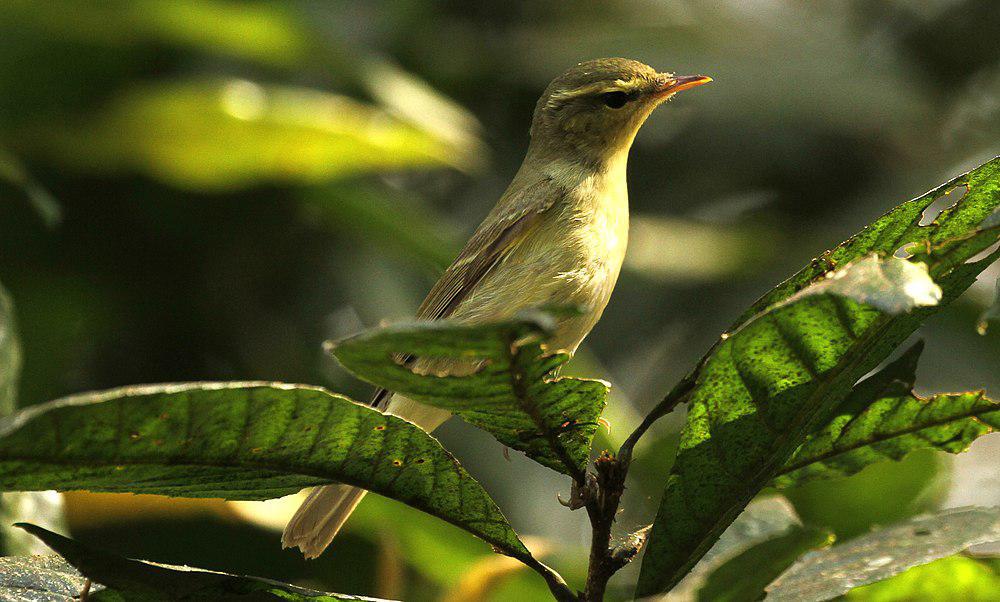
x,y
556,237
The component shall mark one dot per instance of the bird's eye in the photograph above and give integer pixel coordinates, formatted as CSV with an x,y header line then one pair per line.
x,y
615,100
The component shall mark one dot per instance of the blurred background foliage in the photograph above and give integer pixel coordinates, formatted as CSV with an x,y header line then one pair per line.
x,y
208,189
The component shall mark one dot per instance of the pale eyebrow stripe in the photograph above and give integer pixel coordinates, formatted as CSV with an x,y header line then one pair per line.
x,y
597,88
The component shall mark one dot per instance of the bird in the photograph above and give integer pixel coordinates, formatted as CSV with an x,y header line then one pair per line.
x,y
557,236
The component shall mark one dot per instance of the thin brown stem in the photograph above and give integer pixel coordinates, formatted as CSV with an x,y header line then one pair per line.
x,y
557,585
602,509
677,396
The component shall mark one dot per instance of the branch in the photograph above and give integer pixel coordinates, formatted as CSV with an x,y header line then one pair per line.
x,y
557,585
605,494
678,395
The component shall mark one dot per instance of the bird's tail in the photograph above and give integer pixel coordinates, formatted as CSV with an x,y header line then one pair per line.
x,y
327,508
320,517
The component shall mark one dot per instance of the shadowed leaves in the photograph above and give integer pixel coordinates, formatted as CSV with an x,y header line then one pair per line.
x,y
513,394
883,419
127,579
240,441
765,387
886,552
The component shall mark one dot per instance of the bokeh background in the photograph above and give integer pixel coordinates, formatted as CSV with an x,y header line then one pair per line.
x,y
207,190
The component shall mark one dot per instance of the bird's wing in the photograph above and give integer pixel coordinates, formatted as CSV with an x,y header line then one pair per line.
x,y
513,217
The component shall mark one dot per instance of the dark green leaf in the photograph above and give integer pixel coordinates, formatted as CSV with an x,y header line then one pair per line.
x,y
514,395
884,419
764,519
39,579
764,387
745,576
138,580
240,441
884,553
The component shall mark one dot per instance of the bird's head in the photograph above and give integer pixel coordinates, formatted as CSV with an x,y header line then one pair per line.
x,y
592,112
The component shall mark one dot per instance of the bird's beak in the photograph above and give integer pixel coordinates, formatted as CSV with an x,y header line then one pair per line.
x,y
673,84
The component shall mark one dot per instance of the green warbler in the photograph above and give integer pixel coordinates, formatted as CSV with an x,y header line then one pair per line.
x,y
556,237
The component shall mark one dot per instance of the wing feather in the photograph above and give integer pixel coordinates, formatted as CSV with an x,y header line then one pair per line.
x,y
519,210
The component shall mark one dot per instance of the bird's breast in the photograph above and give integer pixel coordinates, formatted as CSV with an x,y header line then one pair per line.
x,y
591,227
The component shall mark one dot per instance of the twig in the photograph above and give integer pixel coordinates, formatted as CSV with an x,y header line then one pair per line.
x,y
677,396
557,585
85,594
606,490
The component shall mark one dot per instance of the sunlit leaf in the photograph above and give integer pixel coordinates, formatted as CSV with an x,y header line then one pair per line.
x,y
745,576
259,31
241,441
890,284
213,134
879,555
883,419
763,519
414,101
137,580
514,394
40,579
945,580
785,364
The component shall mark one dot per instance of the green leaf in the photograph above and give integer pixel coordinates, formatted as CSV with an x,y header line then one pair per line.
x,y
954,578
883,419
240,441
40,579
745,576
763,519
884,553
784,365
258,31
227,134
514,394
138,580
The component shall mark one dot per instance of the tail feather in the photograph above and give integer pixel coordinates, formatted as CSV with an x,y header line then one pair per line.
x,y
320,517
327,508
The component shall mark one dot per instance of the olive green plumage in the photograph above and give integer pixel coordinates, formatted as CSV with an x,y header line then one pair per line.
x,y
556,236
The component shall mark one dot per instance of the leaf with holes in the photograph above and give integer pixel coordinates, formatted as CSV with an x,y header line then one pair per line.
x,y
879,555
240,441
786,363
511,391
128,579
883,419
